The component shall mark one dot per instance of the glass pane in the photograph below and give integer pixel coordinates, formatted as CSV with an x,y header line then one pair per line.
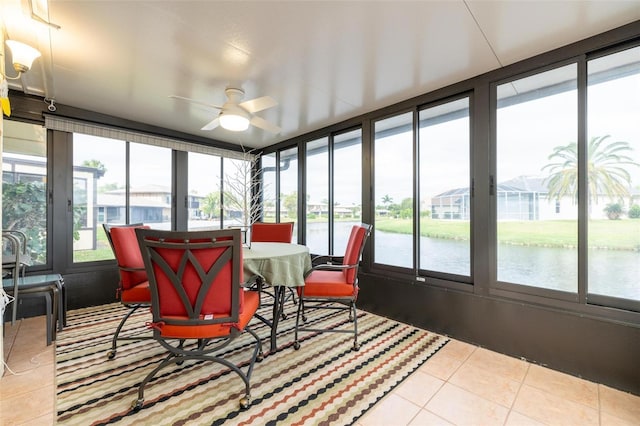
x,y
24,185
614,175
445,202
204,191
536,180
318,196
237,193
347,187
289,188
393,186
269,187
99,180
150,185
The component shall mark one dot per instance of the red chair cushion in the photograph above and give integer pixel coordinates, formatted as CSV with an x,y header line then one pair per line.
x,y
251,303
139,293
271,232
328,284
127,251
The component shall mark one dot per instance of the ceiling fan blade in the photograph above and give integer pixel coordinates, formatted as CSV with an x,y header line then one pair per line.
x,y
182,98
212,124
265,125
259,104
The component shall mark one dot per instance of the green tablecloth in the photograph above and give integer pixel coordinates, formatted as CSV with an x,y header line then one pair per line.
x,y
279,264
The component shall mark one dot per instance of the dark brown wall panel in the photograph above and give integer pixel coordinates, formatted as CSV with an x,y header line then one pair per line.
x,y
598,350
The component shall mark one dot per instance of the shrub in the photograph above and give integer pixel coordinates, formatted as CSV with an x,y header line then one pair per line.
x,y
634,212
613,211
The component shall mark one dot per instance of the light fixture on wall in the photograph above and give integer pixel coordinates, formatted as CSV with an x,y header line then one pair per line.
x,y
234,118
23,56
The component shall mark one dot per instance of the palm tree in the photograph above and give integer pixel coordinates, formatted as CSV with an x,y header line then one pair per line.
x,y
606,170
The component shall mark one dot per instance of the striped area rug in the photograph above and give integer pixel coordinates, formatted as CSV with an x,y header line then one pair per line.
x,y
323,383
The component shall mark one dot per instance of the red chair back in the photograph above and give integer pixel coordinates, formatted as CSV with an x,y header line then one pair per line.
x,y
353,252
127,252
272,232
193,276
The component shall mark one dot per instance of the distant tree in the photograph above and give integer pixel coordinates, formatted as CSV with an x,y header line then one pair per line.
x,y
109,187
406,208
290,202
96,164
210,205
24,208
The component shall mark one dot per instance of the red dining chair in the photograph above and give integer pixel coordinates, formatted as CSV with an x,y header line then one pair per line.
x,y
273,232
194,278
334,286
281,232
133,290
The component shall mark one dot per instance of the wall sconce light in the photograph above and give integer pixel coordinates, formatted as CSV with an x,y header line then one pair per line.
x,y
23,56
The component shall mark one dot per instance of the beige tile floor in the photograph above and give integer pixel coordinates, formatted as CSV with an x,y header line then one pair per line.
x,y
460,385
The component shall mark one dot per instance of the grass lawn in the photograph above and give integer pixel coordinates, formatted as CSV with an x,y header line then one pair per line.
x,y
612,234
102,252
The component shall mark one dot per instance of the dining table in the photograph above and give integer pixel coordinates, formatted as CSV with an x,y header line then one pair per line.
x,y
280,265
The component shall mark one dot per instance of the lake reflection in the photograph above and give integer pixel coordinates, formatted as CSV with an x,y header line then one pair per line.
x,y
611,272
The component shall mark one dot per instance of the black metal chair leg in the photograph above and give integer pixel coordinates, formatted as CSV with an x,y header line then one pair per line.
x,y
114,342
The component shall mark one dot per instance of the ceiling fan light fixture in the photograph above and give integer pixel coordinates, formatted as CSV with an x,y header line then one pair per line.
x,y
23,55
235,121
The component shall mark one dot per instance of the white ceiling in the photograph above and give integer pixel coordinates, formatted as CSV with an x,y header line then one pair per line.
x,y
323,61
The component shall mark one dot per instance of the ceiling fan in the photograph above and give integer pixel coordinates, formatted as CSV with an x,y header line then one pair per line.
x,y
236,115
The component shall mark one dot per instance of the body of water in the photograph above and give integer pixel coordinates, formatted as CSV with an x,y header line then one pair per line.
x,y
611,272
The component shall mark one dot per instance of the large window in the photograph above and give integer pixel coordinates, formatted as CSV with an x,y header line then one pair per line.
x,y
393,195
613,158
99,183
318,196
445,196
537,226
269,189
204,201
100,190
288,179
347,187
150,192
24,185
334,191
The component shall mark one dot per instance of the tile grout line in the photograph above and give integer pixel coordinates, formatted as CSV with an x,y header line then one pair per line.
x,y
425,404
513,403
599,405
